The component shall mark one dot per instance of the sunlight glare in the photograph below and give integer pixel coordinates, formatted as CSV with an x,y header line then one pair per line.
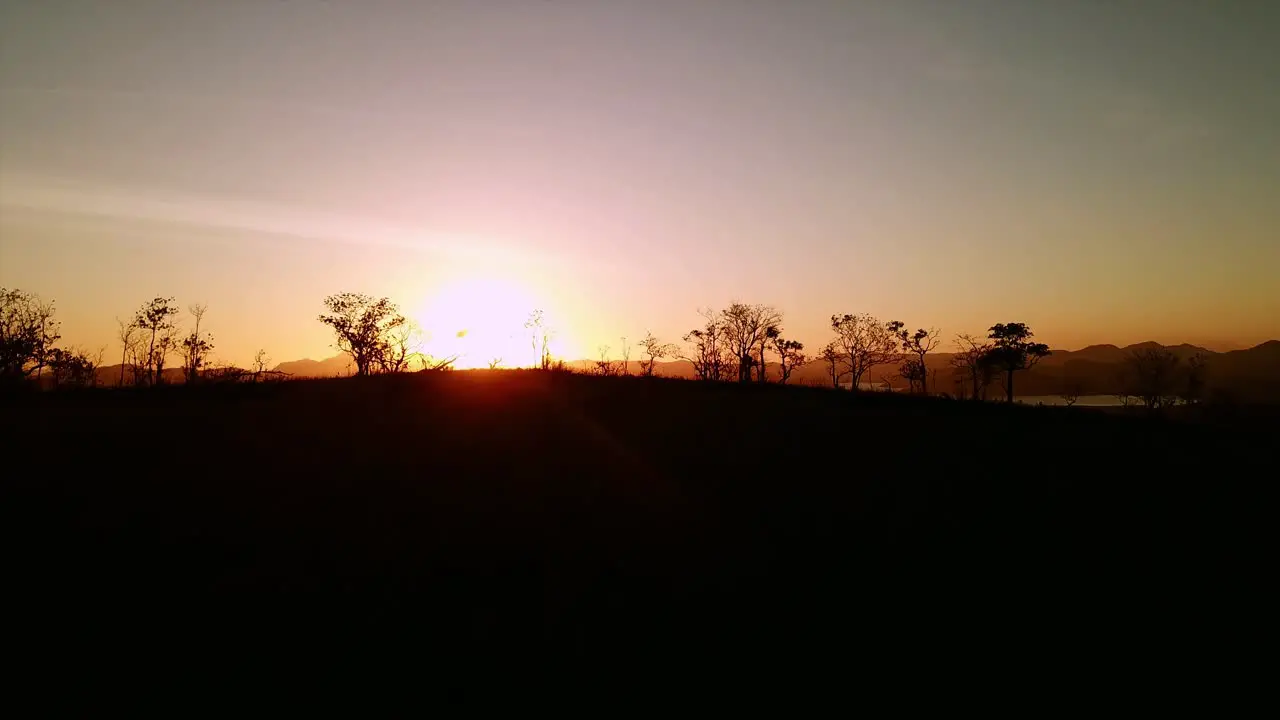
x,y
481,319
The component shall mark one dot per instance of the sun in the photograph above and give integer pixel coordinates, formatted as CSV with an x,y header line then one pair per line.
x,y
480,320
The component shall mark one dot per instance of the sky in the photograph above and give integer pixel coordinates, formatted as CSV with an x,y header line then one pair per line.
x,y
1108,172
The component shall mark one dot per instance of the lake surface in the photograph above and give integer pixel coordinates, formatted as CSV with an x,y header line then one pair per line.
x,y
1083,401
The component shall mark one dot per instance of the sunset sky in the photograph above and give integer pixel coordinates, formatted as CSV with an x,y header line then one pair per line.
x,y
1108,172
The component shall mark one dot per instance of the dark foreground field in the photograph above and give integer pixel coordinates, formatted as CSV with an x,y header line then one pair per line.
x,y
521,514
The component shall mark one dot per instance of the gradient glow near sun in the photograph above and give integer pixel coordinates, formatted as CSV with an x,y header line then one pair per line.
x,y
480,320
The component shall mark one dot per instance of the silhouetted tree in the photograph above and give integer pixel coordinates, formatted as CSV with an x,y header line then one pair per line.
x,y
1196,378
1155,376
495,363
196,347
362,326
1124,391
654,350
72,368
916,346
832,356
261,361
127,334
1012,350
28,332
866,342
708,348
165,346
626,357
1071,391
228,374
790,355
155,320
400,347
746,330
139,362
913,371
973,367
604,367
541,337
437,364
772,333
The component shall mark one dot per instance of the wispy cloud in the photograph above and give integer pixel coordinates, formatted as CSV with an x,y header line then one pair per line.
x,y
149,205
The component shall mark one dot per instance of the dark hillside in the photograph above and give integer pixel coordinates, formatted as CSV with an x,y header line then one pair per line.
x,y
530,510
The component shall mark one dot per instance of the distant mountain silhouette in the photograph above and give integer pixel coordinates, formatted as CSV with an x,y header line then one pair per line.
x,y
337,366
109,375
1252,374
1095,353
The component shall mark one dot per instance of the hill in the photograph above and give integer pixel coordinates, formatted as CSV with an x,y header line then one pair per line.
x,y
337,366
1247,375
490,513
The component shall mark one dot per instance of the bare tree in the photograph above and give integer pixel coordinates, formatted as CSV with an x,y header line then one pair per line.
x,y
1196,379
430,363
362,327
28,333
605,367
626,357
261,361
832,356
886,383
866,343
746,329
228,374
155,320
495,363
127,334
400,347
139,362
404,348
1071,391
1155,373
916,346
654,350
97,359
166,345
196,347
790,355
708,348
1012,350
540,336
973,366
913,371
1124,391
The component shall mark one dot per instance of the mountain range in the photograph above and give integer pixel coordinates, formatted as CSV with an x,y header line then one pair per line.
x,y
1249,374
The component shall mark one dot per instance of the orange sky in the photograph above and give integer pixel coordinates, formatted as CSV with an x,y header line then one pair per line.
x,y
1103,174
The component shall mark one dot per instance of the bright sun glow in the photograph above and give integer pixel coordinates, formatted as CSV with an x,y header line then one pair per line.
x,y
480,320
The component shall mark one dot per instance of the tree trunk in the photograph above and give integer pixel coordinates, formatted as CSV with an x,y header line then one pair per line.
x,y
1008,385
151,357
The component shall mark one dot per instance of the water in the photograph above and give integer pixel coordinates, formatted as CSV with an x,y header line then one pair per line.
x,y
1083,401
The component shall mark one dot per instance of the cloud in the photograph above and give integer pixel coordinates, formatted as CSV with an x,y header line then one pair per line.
x,y
63,197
